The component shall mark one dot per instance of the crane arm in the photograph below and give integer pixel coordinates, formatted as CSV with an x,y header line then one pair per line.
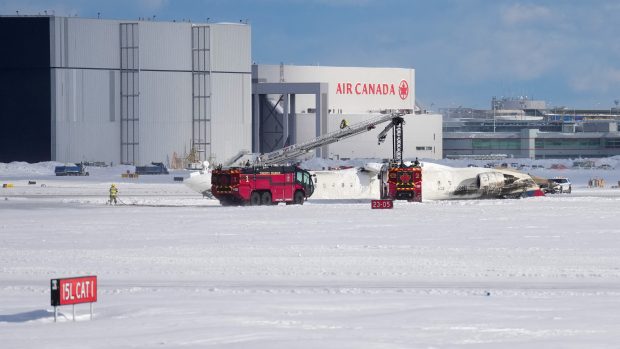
x,y
397,138
381,137
295,150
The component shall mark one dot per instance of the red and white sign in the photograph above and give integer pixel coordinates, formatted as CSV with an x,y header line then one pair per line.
x,y
403,89
74,290
381,204
371,88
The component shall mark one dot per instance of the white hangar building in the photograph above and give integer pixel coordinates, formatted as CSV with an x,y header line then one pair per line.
x,y
123,91
137,91
316,99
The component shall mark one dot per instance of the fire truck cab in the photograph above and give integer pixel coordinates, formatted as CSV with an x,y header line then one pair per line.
x,y
401,182
258,185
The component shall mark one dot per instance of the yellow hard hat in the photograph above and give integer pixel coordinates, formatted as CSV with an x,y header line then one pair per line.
x,y
114,185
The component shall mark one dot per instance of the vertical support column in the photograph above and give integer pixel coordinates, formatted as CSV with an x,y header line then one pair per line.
x,y
55,313
528,143
285,127
317,121
293,122
324,125
256,123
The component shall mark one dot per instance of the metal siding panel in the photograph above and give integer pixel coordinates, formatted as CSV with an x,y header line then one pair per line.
x,y
165,46
231,117
83,127
91,44
166,115
112,95
231,48
84,101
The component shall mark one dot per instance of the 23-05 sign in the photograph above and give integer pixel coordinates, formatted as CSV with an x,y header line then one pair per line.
x,y
381,204
74,290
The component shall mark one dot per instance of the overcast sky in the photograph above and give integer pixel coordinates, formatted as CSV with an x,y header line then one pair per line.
x,y
464,52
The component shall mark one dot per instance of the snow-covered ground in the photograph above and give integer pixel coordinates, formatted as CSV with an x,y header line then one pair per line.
x,y
178,270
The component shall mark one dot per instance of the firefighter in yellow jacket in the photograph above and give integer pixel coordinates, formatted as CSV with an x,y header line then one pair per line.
x,y
113,194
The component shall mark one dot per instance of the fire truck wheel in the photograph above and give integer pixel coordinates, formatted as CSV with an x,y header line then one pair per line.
x,y
298,199
255,198
265,198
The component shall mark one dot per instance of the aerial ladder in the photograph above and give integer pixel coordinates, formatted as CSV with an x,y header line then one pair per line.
x,y
397,138
399,181
295,150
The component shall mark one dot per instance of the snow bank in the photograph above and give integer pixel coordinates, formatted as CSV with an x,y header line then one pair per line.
x,y
23,168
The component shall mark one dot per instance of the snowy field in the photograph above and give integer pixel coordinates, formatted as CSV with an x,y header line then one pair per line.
x,y
178,270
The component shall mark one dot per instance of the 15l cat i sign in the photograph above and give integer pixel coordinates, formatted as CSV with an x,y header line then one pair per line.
x,y
75,290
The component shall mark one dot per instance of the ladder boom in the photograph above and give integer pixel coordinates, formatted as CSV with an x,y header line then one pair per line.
x,y
397,138
295,150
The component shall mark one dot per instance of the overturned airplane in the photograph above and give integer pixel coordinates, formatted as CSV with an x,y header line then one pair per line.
x,y
439,182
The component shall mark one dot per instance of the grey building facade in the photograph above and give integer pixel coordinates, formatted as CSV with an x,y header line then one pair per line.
x,y
534,144
123,91
524,128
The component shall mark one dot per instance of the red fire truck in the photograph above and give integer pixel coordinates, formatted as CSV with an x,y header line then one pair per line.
x,y
398,180
401,182
268,185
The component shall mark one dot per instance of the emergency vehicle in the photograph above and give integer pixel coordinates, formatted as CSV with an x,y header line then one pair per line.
x,y
399,181
266,185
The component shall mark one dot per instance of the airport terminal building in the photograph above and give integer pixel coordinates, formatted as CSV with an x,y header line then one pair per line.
x,y
136,91
524,128
534,144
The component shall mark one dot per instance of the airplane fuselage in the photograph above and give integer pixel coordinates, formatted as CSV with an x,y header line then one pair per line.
x,y
439,182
